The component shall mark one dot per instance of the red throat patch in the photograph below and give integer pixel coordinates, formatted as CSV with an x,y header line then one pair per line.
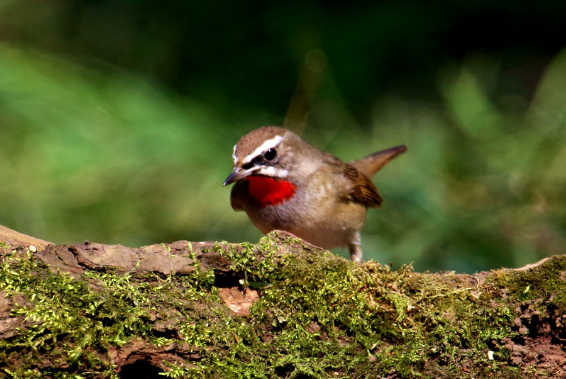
x,y
268,191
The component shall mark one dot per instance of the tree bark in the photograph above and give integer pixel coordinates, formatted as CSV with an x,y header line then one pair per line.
x,y
277,309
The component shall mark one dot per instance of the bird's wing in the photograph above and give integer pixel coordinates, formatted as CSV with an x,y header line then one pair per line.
x,y
363,190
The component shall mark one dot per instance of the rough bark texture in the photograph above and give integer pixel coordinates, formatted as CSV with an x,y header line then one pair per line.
x,y
277,309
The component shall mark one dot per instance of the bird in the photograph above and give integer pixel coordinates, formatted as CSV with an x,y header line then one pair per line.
x,y
284,183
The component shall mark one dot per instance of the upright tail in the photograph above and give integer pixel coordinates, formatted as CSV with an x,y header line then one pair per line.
x,y
374,162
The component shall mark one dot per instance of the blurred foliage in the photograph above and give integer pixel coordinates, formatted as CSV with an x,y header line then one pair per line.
x,y
117,119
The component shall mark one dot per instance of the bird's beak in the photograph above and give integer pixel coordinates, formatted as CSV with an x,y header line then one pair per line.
x,y
236,175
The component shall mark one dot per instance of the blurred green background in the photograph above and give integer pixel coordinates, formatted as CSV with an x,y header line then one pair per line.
x,y
117,118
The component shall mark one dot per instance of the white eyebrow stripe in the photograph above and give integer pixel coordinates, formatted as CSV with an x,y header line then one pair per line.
x,y
270,143
234,158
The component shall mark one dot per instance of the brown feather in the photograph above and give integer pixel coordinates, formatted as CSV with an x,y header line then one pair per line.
x,y
374,162
363,190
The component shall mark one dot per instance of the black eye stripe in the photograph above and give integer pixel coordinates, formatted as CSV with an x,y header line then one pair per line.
x,y
257,161
265,159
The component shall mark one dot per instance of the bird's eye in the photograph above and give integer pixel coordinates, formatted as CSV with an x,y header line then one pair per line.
x,y
270,154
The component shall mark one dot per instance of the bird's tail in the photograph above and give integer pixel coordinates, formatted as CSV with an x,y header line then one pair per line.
x,y
374,162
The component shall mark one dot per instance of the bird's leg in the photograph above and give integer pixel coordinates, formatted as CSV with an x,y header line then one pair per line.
x,y
355,248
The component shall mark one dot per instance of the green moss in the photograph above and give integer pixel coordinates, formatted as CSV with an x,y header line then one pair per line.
x,y
323,316
69,323
537,283
318,316
76,323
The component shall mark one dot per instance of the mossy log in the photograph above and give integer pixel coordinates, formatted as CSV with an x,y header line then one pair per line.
x,y
276,309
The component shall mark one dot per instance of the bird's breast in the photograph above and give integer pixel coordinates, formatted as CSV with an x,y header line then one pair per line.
x,y
268,191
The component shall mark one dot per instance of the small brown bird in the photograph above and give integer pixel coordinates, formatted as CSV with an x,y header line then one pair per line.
x,y
285,183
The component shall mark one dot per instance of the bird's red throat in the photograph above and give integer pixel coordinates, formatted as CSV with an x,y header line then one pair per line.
x,y
268,191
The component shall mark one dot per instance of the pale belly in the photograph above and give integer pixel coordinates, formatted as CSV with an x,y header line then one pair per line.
x,y
323,226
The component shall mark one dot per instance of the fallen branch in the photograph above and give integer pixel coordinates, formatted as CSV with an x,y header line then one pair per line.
x,y
279,308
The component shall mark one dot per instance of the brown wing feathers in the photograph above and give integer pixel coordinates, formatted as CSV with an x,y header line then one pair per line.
x,y
363,190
